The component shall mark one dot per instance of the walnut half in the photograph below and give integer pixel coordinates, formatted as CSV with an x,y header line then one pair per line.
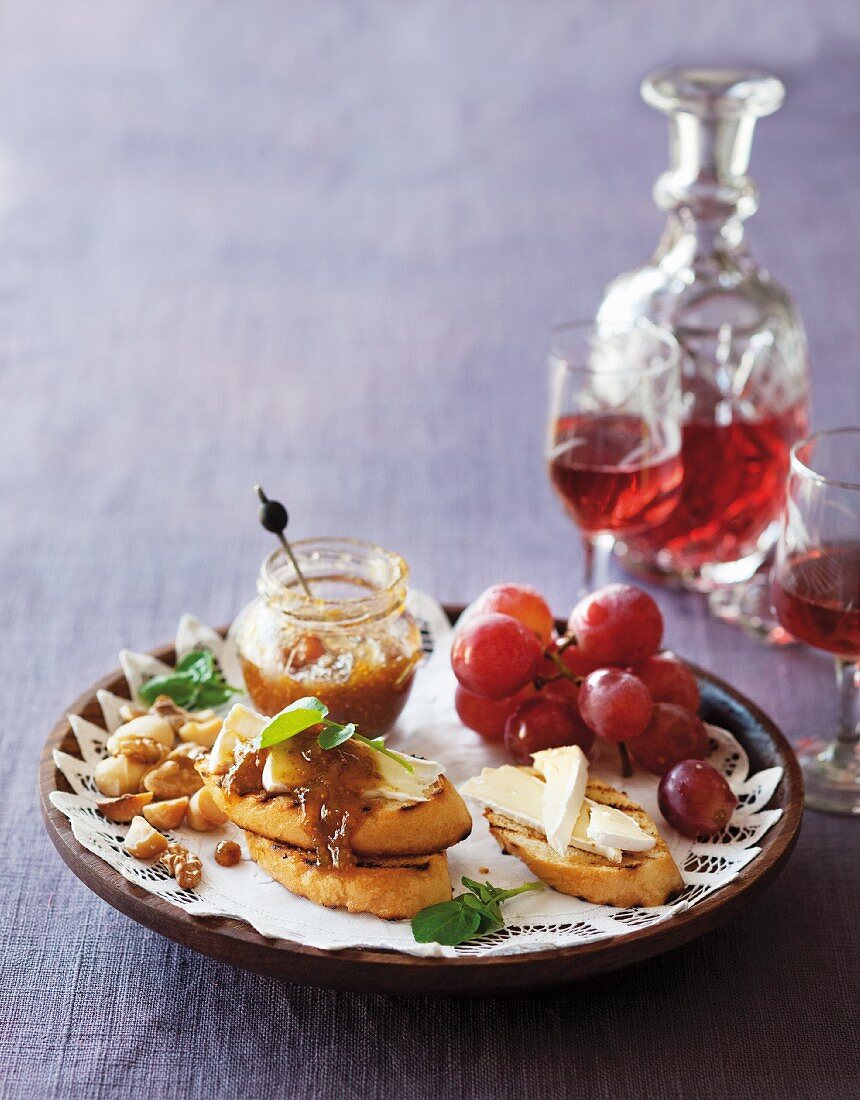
x,y
185,867
175,778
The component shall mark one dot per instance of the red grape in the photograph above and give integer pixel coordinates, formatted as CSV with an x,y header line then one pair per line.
x,y
695,799
617,625
495,655
561,689
521,602
615,704
669,681
545,723
672,735
571,657
487,716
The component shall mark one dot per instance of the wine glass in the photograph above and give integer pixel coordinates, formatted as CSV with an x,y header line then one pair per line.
x,y
816,593
614,441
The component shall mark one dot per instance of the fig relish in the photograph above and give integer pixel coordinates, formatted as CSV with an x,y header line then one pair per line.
x,y
352,643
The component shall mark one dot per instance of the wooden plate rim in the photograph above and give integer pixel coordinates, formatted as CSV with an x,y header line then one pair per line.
x,y
375,970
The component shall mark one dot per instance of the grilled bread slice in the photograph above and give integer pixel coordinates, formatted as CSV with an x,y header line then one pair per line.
x,y
642,878
385,828
395,888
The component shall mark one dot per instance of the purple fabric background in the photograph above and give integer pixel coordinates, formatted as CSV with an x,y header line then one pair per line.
x,y
318,245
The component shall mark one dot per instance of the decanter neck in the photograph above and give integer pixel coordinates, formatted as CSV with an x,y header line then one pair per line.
x,y
690,240
712,115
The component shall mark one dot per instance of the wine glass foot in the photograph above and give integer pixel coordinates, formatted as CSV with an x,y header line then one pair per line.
x,y
749,606
831,774
706,578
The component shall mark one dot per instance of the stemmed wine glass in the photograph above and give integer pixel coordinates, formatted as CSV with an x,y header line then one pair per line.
x,y
816,593
614,441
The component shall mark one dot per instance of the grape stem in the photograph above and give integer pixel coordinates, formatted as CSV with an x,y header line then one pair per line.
x,y
564,671
540,682
626,766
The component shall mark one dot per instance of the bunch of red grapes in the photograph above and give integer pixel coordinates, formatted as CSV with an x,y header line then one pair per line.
x,y
521,683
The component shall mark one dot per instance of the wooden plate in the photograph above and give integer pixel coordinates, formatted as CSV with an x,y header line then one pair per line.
x,y
377,971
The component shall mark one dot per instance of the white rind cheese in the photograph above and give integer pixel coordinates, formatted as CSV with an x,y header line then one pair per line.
x,y
510,791
398,784
241,724
565,774
610,826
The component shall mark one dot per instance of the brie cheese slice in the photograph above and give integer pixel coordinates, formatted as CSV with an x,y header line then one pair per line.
x,y
222,752
282,773
613,828
244,723
279,771
510,791
565,773
580,838
400,785
241,724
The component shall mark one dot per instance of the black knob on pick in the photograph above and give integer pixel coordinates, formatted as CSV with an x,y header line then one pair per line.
x,y
274,517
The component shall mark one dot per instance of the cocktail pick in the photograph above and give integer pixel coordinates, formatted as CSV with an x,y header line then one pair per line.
x,y
274,517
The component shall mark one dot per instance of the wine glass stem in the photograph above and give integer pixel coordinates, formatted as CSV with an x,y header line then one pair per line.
x,y
848,687
597,551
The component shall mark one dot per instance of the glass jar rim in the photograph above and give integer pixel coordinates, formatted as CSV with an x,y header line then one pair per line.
x,y
803,468
374,602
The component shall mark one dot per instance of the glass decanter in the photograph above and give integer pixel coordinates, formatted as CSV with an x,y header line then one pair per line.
x,y
742,342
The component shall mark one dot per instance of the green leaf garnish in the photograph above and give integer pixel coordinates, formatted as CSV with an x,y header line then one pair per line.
x,y
334,735
195,684
378,745
310,711
447,923
294,719
466,916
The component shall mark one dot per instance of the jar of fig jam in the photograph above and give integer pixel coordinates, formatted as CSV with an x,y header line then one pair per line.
x,y
352,643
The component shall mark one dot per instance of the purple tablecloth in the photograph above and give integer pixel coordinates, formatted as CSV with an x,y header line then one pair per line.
x,y
318,246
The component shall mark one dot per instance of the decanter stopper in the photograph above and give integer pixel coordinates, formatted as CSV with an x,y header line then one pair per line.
x,y
712,115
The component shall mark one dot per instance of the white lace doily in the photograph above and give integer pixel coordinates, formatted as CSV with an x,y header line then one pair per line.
x,y
428,727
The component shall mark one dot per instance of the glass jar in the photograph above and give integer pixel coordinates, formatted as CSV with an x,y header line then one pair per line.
x,y
743,348
352,643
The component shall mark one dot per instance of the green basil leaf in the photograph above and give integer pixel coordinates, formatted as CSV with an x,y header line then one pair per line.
x,y
334,735
448,923
195,683
484,891
378,745
490,913
187,661
469,915
294,719
177,686
199,662
214,694
489,924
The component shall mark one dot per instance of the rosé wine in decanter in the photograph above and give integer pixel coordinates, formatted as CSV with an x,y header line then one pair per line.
x,y
742,342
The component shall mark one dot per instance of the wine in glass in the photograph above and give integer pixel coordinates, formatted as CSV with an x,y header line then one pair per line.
x,y
816,593
614,445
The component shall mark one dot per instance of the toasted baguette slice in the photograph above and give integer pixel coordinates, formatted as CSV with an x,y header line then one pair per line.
x,y
385,828
393,888
642,878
